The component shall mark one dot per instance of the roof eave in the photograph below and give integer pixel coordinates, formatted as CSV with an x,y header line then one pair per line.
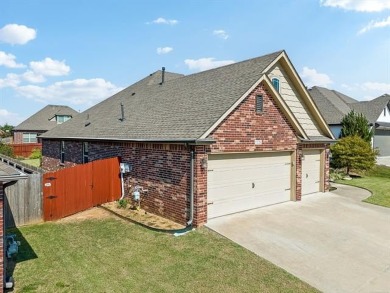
x,y
190,141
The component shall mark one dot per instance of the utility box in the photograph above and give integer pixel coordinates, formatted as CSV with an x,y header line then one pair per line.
x,y
125,168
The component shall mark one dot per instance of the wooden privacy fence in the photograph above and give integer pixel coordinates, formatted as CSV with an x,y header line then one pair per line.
x,y
78,188
25,149
23,201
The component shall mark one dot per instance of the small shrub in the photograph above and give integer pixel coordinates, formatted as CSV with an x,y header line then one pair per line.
x,y
336,174
7,150
36,154
122,203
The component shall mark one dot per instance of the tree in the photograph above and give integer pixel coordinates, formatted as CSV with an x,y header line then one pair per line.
x,y
356,124
7,130
353,153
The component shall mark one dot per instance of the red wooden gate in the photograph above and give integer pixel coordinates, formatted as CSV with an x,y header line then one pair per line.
x,y
78,188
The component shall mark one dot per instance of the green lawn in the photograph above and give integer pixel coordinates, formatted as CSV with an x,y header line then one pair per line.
x,y
115,256
32,162
378,182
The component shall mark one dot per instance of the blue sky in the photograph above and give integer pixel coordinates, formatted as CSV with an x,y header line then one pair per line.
x,y
78,53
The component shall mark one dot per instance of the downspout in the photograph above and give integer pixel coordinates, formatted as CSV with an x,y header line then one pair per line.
x,y
189,223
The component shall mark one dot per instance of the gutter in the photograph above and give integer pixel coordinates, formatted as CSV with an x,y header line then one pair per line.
x,y
189,223
188,141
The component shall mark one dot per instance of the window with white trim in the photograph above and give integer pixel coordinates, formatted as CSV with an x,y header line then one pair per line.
x,y
62,118
275,83
85,152
62,151
30,138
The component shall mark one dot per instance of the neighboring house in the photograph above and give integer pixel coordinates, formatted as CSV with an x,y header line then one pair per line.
x,y
7,174
42,121
335,105
217,142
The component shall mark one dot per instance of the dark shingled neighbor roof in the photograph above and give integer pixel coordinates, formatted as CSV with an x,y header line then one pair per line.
x,y
40,120
182,108
334,105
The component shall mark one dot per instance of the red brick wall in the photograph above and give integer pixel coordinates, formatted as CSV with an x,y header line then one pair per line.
x,y
238,132
2,237
18,137
162,169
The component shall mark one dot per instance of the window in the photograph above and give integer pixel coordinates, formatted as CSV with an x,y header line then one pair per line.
x,y
384,111
62,151
62,118
259,104
275,83
30,138
85,152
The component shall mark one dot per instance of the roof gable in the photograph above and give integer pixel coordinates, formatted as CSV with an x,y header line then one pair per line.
x,y
40,121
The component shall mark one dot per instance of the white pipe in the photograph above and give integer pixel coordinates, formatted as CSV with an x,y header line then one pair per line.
x,y
123,187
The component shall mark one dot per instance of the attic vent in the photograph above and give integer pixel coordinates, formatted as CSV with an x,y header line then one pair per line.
x,y
259,104
122,113
133,94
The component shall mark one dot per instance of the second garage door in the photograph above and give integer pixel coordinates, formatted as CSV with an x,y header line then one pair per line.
x,y
239,182
311,164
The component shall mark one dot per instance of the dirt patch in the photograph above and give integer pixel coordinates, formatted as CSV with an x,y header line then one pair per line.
x,y
91,214
144,217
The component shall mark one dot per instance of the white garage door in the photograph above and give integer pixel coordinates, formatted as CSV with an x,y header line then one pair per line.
x,y
239,182
311,164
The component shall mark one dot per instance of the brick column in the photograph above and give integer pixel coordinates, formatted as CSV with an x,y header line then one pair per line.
x,y
326,179
298,190
200,186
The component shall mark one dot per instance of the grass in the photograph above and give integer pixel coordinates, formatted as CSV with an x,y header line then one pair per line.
x,y
378,182
114,256
32,162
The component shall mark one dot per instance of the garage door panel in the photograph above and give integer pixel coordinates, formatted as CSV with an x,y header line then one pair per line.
x,y
382,142
241,182
311,166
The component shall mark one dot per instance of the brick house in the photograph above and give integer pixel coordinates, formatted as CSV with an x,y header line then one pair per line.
x,y
334,105
208,144
45,119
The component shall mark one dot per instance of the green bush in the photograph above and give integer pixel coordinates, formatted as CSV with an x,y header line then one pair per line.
x,y
353,153
122,203
7,150
36,154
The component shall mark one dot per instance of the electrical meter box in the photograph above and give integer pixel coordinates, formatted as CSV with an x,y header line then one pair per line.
x,y
125,167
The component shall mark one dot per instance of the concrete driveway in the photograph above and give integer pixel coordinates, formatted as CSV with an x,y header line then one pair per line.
x,y
331,240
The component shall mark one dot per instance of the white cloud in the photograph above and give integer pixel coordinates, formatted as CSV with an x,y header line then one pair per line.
x,y
202,64
8,60
50,67
162,20
221,33
16,34
313,78
379,87
164,50
375,24
85,92
11,80
9,117
358,5
31,76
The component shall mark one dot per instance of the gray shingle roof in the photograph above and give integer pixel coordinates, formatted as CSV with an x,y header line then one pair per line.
x,y
184,107
372,109
334,105
40,120
331,104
